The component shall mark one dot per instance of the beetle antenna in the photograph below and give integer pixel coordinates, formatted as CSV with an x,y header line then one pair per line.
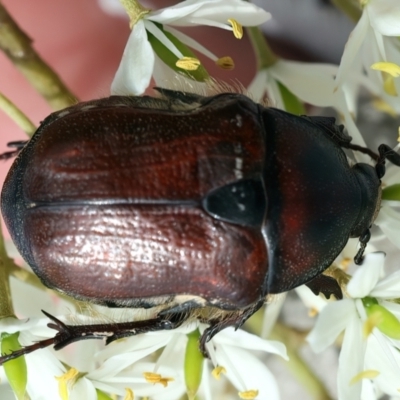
x,y
385,153
361,149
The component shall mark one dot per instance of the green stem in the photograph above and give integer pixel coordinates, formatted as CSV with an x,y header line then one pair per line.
x,y
17,47
350,7
6,307
264,54
17,115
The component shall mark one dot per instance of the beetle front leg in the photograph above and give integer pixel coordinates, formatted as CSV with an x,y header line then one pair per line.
x,y
325,285
364,239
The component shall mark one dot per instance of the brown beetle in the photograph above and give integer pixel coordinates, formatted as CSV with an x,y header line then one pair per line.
x,y
185,202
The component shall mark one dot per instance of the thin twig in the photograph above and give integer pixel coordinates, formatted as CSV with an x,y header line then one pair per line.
x,y
17,46
17,115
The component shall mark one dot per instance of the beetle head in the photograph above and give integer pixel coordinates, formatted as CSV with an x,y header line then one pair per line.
x,y
370,190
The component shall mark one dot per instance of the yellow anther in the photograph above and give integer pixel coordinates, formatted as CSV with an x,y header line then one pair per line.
x,y
398,135
367,374
129,395
225,63
154,378
248,394
381,105
237,28
389,72
312,312
388,67
66,380
388,85
217,371
188,63
134,10
344,264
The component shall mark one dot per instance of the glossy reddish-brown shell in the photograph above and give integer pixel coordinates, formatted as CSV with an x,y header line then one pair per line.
x,y
111,207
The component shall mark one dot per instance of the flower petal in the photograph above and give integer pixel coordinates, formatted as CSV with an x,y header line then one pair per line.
x,y
353,45
247,372
383,357
333,319
389,221
83,389
134,72
43,366
271,314
309,299
212,13
384,16
257,87
311,82
245,340
351,360
388,288
366,277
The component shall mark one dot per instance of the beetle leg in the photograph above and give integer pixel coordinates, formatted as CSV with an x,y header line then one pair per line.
x,y
364,239
386,153
325,285
236,320
68,334
126,329
18,145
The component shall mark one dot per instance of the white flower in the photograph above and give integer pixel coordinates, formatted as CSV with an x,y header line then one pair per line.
x,y
312,83
42,365
129,364
137,65
231,350
375,37
357,319
125,364
388,218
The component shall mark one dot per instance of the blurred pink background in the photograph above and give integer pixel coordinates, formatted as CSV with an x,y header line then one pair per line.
x,y
84,46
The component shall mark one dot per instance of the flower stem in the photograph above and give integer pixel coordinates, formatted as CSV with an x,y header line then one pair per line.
x,y
17,47
17,115
6,307
350,7
264,54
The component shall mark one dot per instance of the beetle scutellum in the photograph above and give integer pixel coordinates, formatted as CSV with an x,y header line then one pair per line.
x,y
186,202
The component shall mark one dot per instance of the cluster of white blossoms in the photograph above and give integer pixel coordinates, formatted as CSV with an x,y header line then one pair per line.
x,y
366,322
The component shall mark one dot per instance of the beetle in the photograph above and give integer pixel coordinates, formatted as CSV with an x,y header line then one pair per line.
x,y
185,204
